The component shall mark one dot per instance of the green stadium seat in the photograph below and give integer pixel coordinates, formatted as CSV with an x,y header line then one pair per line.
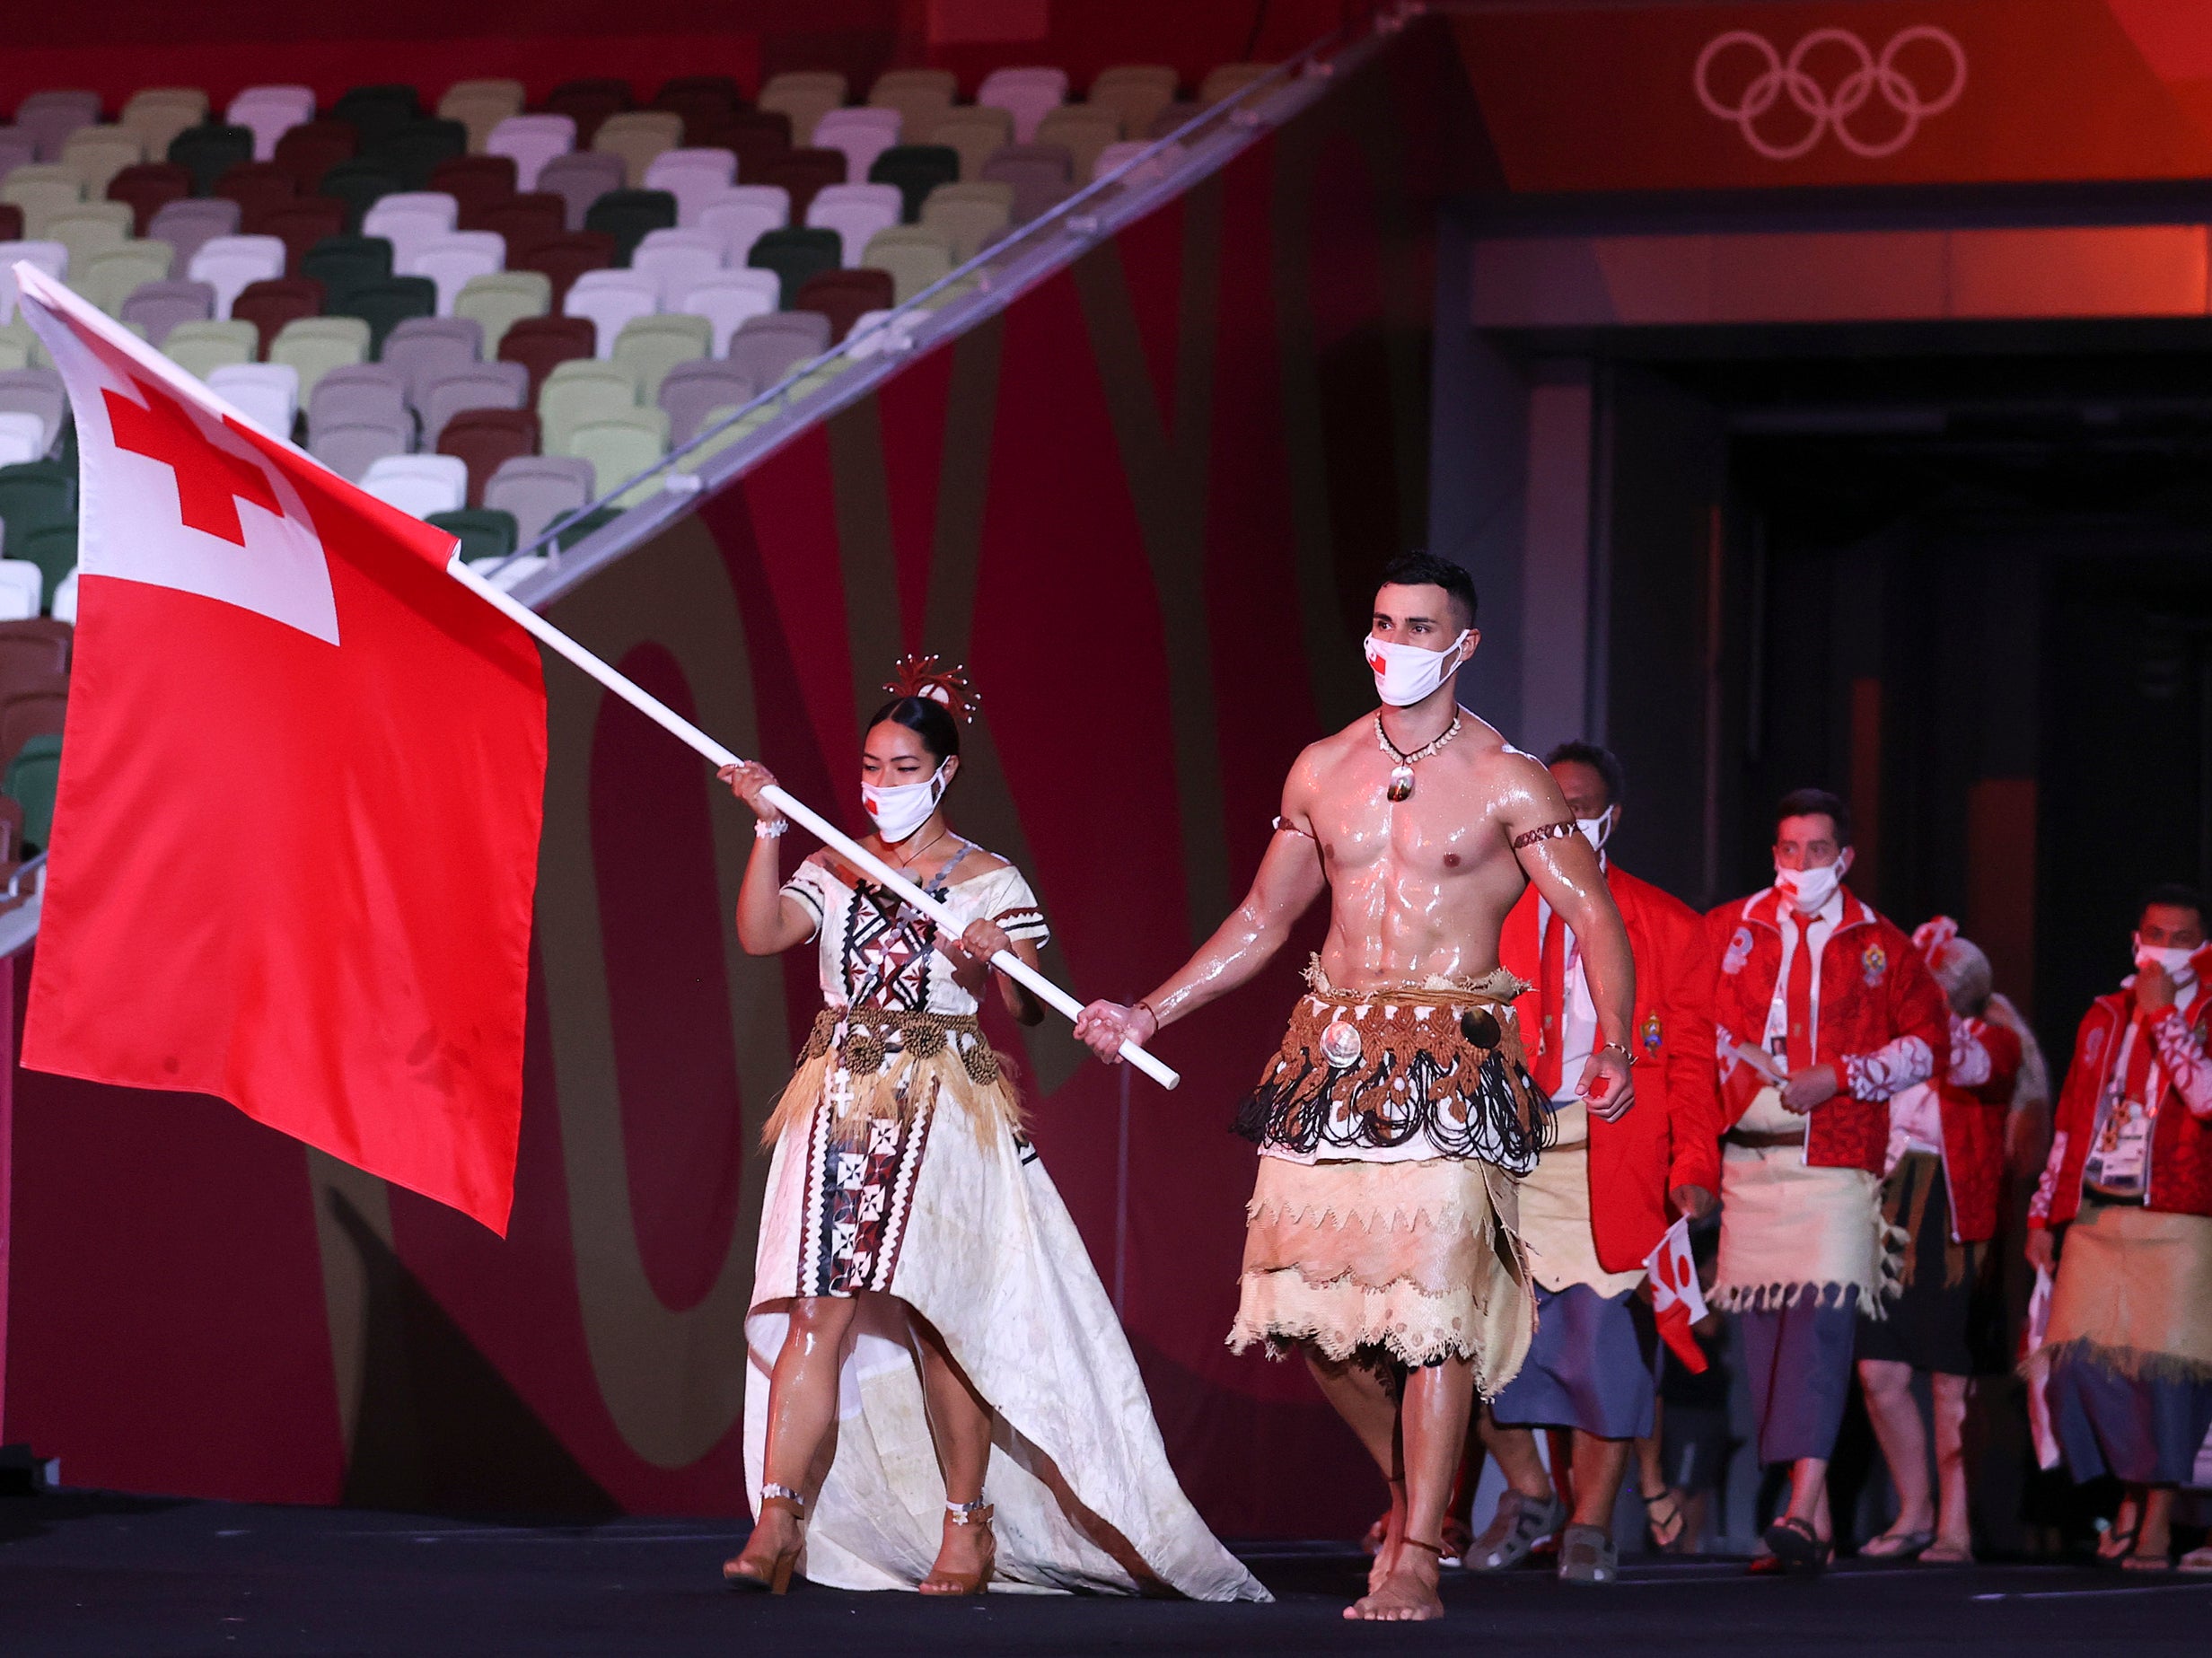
x,y
360,184
916,168
627,215
484,532
385,305
210,150
345,264
53,547
413,152
596,519
31,781
795,253
376,112
35,494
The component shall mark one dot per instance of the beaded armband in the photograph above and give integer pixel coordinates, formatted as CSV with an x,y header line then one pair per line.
x,y
1551,831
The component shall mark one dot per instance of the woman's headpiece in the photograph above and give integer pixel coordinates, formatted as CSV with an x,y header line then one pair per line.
x,y
916,675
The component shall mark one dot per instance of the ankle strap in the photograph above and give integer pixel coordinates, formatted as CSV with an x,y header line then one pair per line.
x,y
977,1512
1415,1543
771,1492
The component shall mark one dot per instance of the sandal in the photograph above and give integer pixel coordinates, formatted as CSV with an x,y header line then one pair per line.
x,y
952,1585
2117,1545
1940,1553
1521,1523
1792,1542
1587,1556
2146,1563
1897,1545
740,1574
1665,1530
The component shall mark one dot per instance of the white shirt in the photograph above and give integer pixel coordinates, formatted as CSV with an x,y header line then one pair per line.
x,y
1816,929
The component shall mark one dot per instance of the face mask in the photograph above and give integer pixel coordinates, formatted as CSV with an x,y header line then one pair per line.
x,y
1810,890
1597,830
1405,674
2175,959
899,809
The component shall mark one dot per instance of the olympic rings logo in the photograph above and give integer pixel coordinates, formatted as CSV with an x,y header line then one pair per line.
x,y
1826,110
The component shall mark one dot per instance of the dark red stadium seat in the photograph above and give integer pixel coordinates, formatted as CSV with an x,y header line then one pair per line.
x,y
566,258
801,173
538,343
30,662
312,148
484,437
588,103
759,138
269,305
300,223
30,714
12,222
705,102
527,222
475,181
842,295
257,187
148,188
60,635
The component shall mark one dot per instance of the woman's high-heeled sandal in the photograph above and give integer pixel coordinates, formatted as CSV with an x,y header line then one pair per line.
x,y
739,1574
955,1584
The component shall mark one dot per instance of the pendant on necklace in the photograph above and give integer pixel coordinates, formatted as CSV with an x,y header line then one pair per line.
x,y
1402,784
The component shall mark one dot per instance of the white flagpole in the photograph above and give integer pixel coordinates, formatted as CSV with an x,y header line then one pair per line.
x,y
666,717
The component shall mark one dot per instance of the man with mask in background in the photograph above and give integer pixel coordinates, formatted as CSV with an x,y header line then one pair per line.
x,y
1398,1115
1822,1010
2131,1179
1601,1199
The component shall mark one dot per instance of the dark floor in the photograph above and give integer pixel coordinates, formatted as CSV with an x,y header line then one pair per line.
x,y
109,1575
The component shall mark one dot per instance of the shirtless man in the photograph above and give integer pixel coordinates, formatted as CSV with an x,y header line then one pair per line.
x,y
1398,1116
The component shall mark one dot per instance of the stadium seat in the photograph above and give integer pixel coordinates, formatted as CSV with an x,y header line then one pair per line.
x,y
361,394
638,136
418,484
485,439
541,344
423,348
452,261
111,276
17,149
34,495
796,253
414,153
499,301
649,347
923,97
474,386
1041,175
578,392
1082,133
190,224
158,307
350,450
611,298
805,96
537,489
693,176
856,212
53,547
580,179
16,340
53,116
483,533
266,393
32,652
408,219
705,102
842,295
302,226
313,346
41,190
31,780
580,529
975,134
801,173
147,189
690,390
37,392
202,347
346,264
914,169
476,183
765,349
480,106
360,184
1136,93
257,187
627,216
1227,80
32,711
269,112
1027,94
377,112
759,138
619,446
97,154
157,114
271,304
1116,156
228,263
49,257
524,223
309,151
87,228
741,214
914,255
969,216
532,141
726,298
210,150
862,133
677,260
384,305
588,103
22,437
22,587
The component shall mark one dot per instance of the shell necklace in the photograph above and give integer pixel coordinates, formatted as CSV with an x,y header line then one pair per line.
x,y
1401,770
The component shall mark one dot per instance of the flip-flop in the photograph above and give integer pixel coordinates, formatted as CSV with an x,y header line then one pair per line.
x,y
1896,1546
1792,1542
1521,1523
1664,1532
1944,1553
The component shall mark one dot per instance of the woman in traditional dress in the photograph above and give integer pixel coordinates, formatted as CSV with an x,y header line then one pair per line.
x,y
925,1324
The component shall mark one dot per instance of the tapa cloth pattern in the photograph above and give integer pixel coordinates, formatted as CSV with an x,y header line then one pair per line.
x,y
1415,1261
985,1251
871,1062
1789,1230
1556,1222
2134,1292
1400,1072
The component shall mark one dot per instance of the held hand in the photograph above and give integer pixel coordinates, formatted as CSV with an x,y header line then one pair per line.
x,y
2041,1251
1694,1201
2154,987
983,940
1104,1026
1606,1086
746,780
1816,1085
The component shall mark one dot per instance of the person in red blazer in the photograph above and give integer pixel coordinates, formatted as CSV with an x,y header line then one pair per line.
x,y
2129,1178
1821,1011
1593,1368
1943,1171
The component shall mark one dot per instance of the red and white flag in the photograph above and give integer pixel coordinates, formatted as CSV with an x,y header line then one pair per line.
x,y
1677,1298
302,776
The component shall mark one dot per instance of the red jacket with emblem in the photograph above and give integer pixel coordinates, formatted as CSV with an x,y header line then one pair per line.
x,y
1974,1116
1670,1136
1875,991
2180,1143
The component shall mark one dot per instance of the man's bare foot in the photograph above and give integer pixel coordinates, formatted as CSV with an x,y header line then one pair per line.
x,y
1406,1595
1389,1546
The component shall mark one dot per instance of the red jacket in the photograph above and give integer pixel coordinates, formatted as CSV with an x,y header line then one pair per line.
x,y
2180,1153
1670,1136
1974,1118
1875,990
